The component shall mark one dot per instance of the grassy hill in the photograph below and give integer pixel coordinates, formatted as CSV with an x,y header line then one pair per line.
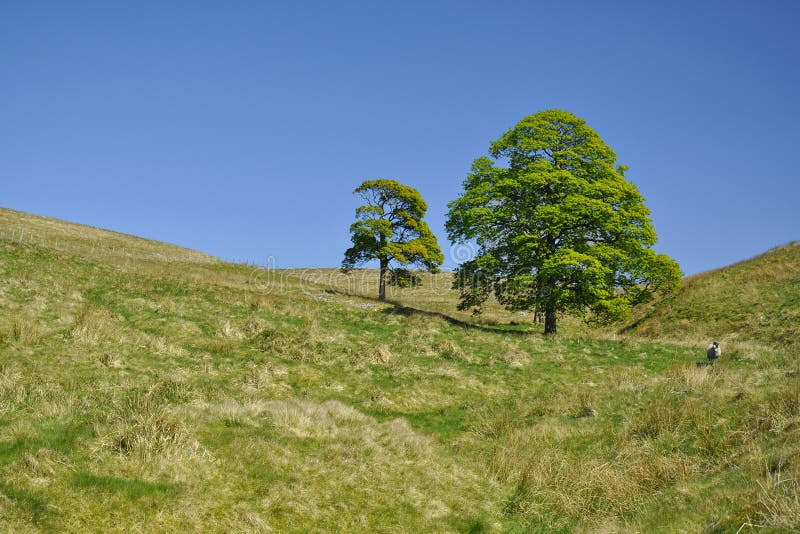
x,y
144,387
757,301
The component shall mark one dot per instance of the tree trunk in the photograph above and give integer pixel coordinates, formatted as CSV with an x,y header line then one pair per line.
x,y
547,291
549,320
382,280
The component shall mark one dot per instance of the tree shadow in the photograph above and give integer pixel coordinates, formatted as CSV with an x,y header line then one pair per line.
x,y
651,312
635,324
408,311
398,308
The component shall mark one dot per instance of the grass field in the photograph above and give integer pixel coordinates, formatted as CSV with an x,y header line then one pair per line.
x,y
148,388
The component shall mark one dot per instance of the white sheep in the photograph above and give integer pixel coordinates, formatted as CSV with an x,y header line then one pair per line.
x,y
713,351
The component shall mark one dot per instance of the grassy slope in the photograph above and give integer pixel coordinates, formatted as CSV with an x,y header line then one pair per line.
x,y
757,300
146,387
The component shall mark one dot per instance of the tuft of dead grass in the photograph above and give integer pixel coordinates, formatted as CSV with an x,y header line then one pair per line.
x,y
448,349
37,468
24,330
111,359
381,354
228,330
94,324
12,386
779,504
266,376
145,433
696,378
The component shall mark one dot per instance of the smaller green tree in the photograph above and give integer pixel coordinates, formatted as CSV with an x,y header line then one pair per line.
x,y
389,228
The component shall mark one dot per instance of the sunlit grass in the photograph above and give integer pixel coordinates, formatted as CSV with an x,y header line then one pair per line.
x,y
159,390
752,302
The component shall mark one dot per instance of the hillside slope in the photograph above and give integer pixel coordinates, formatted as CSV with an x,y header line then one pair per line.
x,y
105,245
757,300
147,388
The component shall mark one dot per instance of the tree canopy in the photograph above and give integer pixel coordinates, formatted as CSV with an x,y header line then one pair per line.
x,y
389,228
557,226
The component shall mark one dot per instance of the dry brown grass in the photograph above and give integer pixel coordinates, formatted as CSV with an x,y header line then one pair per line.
x,y
510,353
12,386
381,354
21,329
548,480
146,433
557,487
94,324
449,350
779,505
697,378
269,377
111,359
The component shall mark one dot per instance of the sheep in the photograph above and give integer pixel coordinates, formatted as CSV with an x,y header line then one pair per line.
x,y
713,351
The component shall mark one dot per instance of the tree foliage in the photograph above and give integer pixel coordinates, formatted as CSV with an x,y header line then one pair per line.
x,y
558,228
389,228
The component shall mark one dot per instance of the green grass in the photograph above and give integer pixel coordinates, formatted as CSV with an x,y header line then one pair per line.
x,y
756,301
144,387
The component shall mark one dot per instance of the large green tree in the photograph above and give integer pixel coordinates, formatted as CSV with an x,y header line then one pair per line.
x,y
389,228
556,225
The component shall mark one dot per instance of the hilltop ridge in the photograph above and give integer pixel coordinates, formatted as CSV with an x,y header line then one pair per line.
x,y
90,241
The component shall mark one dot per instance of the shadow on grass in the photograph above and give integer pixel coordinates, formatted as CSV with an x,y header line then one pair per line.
x,y
131,488
407,311
398,308
630,328
30,503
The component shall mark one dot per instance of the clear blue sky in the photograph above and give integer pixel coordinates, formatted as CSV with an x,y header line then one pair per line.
x,y
241,128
